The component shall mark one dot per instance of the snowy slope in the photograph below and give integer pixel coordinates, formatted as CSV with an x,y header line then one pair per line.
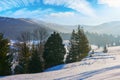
x,y
102,66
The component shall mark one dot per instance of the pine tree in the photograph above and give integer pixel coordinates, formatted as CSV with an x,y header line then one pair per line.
x,y
4,58
34,65
105,50
83,44
24,56
24,53
27,56
72,57
79,46
54,51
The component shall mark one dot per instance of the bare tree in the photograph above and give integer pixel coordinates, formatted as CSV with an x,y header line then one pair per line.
x,y
24,37
40,34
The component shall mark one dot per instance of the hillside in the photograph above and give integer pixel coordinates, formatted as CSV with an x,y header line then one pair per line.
x,y
12,27
107,28
102,66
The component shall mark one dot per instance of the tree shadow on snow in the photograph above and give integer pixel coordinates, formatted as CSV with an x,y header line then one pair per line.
x,y
59,67
85,75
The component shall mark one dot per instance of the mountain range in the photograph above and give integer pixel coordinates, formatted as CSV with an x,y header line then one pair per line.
x,y
12,27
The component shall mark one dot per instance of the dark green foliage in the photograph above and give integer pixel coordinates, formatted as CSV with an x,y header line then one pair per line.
x,y
72,58
35,65
30,57
4,58
54,51
23,51
83,44
79,46
24,54
29,60
19,69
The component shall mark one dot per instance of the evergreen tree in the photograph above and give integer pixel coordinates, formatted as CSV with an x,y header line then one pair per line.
x,y
83,44
23,52
54,51
73,49
24,56
34,65
4,58
105,50
79,46
30,59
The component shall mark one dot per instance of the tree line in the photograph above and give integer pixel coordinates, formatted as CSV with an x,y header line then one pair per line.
x,y
97,39
36,51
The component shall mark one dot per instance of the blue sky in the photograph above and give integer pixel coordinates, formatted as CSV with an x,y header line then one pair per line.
x,y
70,12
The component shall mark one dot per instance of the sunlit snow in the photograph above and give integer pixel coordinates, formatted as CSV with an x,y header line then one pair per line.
x,y
102,66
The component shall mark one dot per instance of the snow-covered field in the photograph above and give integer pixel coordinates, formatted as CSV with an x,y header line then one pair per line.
x,y
102,66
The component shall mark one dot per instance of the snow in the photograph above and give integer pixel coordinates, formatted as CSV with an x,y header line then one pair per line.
x,y
102,66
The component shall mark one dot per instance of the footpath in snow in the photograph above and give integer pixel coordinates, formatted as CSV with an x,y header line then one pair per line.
x,y
102,66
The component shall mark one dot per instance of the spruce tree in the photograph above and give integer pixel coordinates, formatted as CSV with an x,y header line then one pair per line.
x,y
83,44
79,46
24,56
34,65
4,58
54,51
105,50
73,49
24,53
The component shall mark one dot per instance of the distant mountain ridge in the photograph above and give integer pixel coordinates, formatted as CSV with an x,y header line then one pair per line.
x,y
12,27
112,27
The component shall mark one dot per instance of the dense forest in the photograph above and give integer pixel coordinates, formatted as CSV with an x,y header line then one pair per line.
x,y
97,39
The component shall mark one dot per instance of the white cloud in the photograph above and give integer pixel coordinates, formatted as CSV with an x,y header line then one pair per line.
x,y
25,13
81,6
55,2
62,14
110,3
69,18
